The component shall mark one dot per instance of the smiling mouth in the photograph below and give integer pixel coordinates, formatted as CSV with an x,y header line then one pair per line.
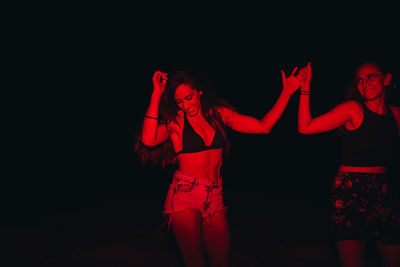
x,y
191,111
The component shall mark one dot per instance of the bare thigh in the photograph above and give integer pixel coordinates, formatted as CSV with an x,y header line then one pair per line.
x,y
217,238
351,253
188,233
390,254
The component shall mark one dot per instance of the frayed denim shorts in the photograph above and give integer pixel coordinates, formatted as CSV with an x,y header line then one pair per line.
x,y
187,192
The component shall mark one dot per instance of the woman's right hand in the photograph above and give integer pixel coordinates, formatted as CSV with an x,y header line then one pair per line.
x,y
290,84
159,81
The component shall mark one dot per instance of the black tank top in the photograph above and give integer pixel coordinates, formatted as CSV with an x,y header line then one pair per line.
x,y
374,143
192,142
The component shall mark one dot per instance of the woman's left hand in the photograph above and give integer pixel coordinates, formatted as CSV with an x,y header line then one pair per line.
x,y
290,84
305,76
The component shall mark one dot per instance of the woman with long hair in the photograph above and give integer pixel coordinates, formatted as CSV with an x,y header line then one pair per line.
x,y
185,124
363,206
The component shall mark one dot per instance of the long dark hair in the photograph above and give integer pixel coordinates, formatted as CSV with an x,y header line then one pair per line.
x,y
168,112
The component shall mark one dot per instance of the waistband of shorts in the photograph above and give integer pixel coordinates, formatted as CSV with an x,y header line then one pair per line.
x,y
374,170
363,173
181,176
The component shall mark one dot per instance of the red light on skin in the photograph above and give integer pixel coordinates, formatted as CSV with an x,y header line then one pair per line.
x,y
371,82
188,99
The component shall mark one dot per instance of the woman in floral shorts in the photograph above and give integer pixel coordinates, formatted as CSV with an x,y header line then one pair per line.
x,y
363,207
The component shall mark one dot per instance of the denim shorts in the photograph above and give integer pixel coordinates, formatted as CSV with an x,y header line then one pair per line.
x,y
363,207
187,192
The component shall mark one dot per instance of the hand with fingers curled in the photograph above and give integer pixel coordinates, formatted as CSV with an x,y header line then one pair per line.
x,y
305,75
159,81
290,84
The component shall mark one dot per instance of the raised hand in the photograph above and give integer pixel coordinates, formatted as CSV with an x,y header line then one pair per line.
x,y
159,81
305,75
290,84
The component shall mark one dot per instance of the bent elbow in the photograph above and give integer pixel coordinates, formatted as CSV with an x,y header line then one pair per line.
x,y
303,130
266,130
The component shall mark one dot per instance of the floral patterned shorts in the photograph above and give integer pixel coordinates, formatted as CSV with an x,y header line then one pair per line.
x,y
363,208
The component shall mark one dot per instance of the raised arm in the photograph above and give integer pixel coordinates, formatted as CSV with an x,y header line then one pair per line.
x,y
154,133
247,124
345,113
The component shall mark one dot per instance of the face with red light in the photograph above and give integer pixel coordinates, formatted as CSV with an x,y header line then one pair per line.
x,y
371,82
188,99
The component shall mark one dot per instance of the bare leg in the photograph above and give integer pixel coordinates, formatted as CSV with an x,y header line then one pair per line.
x,y
188,233
390,254
217,239
351,253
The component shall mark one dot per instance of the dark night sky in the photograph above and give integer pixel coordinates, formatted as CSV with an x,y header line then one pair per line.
x,y
89,84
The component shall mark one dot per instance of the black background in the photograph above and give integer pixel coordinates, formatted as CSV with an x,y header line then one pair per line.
x,y
83,82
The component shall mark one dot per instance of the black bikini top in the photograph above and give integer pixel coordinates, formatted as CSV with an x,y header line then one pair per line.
x,y
192,142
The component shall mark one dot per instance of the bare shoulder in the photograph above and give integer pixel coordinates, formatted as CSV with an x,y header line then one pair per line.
x,y
353,110
224,110
351,107
176,126
226,114
352,104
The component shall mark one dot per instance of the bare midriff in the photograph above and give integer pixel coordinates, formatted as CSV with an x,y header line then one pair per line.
x,y
374,169
204,164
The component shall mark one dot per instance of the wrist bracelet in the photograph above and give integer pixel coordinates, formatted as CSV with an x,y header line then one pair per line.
x,y
150,117
305,92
